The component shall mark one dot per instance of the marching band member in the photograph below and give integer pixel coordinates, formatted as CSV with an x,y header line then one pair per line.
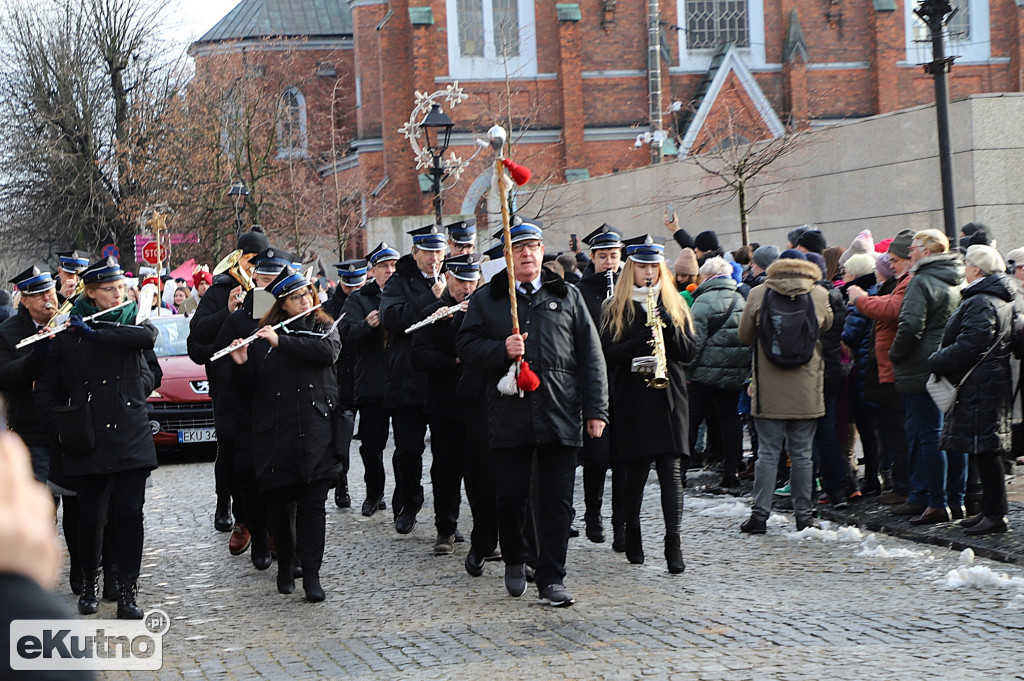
x,y
433,353
70,265
650,424
99,382
289,373
597,285
416,284
363,333
461,237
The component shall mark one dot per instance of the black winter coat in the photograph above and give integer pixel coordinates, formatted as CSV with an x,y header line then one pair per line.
x,y
594,287
434,354
405,296
563,349
19,370
294,393
830,341
981,419
647,421
203,328
346,364
236,424
111,374
366,343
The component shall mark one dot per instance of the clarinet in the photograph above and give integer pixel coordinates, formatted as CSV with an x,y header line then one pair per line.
x,y
610,274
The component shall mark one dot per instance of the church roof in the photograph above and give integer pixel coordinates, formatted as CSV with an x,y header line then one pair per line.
x,y
282,19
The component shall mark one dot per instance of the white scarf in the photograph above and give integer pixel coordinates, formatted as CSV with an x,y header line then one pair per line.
x,y
639,294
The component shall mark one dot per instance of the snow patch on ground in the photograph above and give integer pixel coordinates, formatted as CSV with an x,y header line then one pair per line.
x,y
979,577
824,532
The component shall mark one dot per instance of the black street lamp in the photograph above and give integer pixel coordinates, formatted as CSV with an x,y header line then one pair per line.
x,y
437,127
239,195
935,14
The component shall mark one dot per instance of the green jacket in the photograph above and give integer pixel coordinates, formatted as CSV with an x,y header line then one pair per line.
x,y
723,360
932,295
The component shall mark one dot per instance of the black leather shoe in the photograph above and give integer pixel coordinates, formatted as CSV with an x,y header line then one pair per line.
x,y
474,564
127,608
619,538
674,554
930,516
75,581
297,567
595,529
371,506
260,551
111,590
988,525
222,518
908,509
405,522
754,526
515,580
573,532
285,580
341,496
88,603
634,545
314,592
972,520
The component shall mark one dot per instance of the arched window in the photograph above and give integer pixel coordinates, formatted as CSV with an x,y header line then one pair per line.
x,y
291,127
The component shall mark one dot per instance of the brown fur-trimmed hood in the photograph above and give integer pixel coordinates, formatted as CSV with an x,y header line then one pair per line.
x,y
792,277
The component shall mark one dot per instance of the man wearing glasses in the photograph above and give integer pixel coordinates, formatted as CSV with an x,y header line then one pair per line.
x,y
559,340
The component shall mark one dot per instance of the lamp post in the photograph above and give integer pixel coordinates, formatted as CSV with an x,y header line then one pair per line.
x,y
239,195
437,128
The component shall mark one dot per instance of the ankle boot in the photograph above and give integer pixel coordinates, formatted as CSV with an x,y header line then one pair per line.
x,y
618,537
673,554
285,580
111,591
127,609
634,544
311,585
88,604
222,516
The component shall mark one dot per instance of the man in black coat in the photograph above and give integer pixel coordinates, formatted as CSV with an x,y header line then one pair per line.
x,y
351,277
70,265
221,299
597,285
433,353
416,284
560,342
461,237
361,331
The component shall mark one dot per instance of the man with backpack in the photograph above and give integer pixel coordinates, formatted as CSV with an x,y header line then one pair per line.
x,y
784,318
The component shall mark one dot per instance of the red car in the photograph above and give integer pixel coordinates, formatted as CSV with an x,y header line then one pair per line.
x,y
180,410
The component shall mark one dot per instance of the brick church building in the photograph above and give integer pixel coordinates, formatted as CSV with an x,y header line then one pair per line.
x,y
577,83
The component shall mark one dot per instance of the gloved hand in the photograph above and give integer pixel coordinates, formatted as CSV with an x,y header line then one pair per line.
x,y
85,331
41,349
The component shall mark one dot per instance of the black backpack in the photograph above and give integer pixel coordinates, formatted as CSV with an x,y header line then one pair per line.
x,y
789,328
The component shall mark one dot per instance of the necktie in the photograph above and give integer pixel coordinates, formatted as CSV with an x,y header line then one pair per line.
x,y
528,289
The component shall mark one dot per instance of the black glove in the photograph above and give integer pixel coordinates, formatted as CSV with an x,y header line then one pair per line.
x,y
41,349
85,331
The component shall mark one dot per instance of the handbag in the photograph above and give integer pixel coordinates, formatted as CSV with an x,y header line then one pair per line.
x,y
74,428
943,392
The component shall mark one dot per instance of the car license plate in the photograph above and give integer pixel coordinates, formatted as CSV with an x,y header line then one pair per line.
x,y
197,435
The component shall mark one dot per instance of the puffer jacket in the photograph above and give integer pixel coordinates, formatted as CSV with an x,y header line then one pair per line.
x,y
563,349
931,297
791,392
723,360
981,418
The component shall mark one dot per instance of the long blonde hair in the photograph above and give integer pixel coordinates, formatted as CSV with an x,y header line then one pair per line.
x,y
618,311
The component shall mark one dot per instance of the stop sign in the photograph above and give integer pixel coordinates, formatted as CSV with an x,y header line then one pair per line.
x,y
153,252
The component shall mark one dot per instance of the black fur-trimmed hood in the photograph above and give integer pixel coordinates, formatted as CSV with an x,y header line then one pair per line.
x,y
549,281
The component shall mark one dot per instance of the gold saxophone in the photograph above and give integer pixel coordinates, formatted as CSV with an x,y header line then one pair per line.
x,y
660,378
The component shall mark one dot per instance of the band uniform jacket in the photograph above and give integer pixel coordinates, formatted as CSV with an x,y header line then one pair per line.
x,y
405,296
19,370
563,348
293,392
366,343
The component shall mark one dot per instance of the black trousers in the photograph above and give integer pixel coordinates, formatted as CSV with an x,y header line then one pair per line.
x,y
410,428
556,473
307,535
481,488
374,424
597,460
111,504
225,478
344,419
720,407
892,433
250,506
993,483
450,449
669,468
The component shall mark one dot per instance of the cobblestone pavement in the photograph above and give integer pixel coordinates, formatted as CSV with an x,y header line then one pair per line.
x,y
820,605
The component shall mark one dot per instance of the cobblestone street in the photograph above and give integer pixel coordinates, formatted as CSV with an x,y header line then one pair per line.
x,y
820,605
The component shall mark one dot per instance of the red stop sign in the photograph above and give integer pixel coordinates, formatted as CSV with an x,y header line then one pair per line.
x,y
153,252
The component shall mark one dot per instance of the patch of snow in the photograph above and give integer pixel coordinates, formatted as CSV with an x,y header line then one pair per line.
x,y
979,577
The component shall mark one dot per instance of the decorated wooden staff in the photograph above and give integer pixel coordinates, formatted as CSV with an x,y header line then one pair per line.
x,y
520,377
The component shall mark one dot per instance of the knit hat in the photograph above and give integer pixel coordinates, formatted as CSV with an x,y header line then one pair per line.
x,y
883,265
813,241
795,234
975,233
1015,258
862,243
818,260
860,264
792,254
686,263
253,241
900,246
706,241
765,255
202,275
883,246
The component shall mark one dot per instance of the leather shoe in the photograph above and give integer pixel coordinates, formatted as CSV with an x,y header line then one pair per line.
x,y
285,580
342,499
515,580
754,526
314,592
804,523
371,506
957,512
240,540
908,509
474,564
405,522
260,554
222,517
459,537
595,530
972,521
988,525
930,516
892,498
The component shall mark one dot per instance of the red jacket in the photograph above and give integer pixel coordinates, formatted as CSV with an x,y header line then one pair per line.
x,y
885,310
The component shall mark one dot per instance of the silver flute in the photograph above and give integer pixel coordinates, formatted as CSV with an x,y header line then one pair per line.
x,y
435,316
50,332
223,352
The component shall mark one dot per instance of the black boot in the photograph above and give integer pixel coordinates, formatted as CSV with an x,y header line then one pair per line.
x,y
311,585
634,544
88,604
222,518
127,609
260,550
594,527
673,554
111,591
618,537
285,580
341,495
